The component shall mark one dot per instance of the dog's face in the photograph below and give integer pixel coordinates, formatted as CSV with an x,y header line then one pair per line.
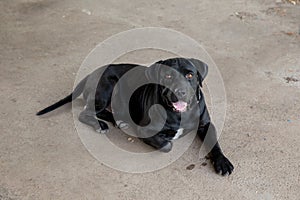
x,y
180,79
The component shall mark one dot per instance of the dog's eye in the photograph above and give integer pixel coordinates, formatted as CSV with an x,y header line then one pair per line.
x,y
189,76
168,76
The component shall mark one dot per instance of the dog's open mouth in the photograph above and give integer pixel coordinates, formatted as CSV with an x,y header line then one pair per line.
x,y
179,106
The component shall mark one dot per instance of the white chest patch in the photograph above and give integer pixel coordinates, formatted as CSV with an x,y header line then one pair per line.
x,y
178,134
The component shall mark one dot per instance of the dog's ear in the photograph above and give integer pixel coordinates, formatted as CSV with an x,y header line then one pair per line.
x,y
152,72
201,67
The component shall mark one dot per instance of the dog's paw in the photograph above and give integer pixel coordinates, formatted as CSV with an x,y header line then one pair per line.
x,y
102,131
222,165
167,147
122,125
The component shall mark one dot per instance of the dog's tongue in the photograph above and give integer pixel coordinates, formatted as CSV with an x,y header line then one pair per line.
x,y
180,106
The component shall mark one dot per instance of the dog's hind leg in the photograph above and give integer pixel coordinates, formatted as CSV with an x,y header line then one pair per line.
x,y
108,116
88,117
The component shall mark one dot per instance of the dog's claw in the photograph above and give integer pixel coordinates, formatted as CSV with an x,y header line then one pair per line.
x,y
222,165
102,131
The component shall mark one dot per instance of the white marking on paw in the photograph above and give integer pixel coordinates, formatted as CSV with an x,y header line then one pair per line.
x,y
120,124
178,134
99,130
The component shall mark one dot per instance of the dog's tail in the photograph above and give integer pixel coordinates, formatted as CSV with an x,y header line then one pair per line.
x,y
76,93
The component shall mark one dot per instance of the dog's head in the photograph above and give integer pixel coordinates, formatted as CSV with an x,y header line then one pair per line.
x,y
180,80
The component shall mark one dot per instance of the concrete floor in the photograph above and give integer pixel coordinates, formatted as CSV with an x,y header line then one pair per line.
x,y
255,44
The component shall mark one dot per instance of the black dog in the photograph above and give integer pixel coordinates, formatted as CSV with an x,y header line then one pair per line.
x,y
174,84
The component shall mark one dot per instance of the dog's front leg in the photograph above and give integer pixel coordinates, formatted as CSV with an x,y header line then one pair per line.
x,y
208,135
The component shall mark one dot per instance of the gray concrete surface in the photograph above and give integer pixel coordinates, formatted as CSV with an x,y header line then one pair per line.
x,y
255,45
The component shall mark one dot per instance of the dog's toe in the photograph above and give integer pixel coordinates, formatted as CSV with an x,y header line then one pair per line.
x,y
102,131
222,165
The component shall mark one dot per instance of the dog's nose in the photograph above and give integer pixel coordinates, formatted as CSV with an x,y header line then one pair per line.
x,y
180,93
